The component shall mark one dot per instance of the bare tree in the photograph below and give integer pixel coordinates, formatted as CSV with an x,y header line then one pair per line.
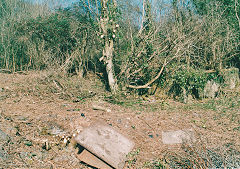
x,y
108,27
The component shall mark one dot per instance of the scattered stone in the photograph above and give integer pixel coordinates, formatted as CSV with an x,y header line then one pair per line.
x,y
97,107
119,121
24,155
178,136
231,77
106,143
3,154
211,89
196,115
4,138
68,156
187,98
21,118
56,130
60,158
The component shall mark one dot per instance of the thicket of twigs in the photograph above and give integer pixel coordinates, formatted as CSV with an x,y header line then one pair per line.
x,y
152,40
177,46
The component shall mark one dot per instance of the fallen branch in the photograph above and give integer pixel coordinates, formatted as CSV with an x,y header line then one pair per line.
x,y
152,81
62,89
5,71
158,75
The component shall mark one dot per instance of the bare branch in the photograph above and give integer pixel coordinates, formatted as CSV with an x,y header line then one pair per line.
x,y
143,13
152,81
237,13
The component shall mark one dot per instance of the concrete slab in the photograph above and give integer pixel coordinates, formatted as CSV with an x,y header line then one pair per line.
x,y
90,159
178,136
106,143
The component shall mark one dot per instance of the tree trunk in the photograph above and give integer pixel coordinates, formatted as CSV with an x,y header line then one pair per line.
x,y
108,54
108,48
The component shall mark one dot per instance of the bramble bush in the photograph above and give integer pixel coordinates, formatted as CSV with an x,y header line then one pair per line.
x,y
192,81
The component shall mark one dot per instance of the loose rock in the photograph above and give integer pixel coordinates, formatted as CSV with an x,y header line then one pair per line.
x,y
178,137
4,138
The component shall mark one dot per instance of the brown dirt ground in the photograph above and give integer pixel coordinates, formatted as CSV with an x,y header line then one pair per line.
x,y
31,105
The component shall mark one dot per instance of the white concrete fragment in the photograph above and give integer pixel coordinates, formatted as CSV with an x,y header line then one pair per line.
x,y
106,143
178,136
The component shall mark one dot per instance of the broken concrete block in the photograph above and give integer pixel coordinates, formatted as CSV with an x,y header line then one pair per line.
x,y
211,89
231,77
105,143
178,136
92,160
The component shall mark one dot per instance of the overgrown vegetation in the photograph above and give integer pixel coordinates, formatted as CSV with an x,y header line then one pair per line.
x,y
172,48
151,47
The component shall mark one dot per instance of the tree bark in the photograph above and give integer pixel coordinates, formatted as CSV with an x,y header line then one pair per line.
x,y
108,48
108,53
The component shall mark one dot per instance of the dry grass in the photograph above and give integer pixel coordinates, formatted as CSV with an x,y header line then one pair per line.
x,y
33,103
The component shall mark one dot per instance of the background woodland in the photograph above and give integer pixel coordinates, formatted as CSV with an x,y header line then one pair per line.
x,y
136,46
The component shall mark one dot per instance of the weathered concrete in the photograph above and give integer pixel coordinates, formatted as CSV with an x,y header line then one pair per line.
x,y
3,154
231,77
178,136
211,89
4,138
106,143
